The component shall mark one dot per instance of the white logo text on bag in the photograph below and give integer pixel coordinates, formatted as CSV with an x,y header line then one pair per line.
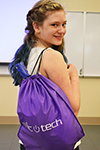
x,y
43,128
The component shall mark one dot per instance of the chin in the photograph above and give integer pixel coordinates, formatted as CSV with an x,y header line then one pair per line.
x,y
58,44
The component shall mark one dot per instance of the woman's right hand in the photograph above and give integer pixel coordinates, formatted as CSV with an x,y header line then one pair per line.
x,y
72,71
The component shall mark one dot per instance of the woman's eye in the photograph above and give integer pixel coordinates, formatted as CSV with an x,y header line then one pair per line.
x,y
54,25
64,24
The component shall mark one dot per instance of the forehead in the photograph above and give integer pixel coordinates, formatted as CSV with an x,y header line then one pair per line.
x,y
56,15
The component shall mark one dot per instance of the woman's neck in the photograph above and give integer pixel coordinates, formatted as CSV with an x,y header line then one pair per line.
x,y
41,43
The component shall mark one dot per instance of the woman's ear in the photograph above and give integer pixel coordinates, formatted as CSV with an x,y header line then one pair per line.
x,y
36,27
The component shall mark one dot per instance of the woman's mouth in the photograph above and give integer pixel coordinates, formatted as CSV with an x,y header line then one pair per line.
x,y
58,37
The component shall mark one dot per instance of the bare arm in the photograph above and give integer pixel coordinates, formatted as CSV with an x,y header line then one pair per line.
x,y
54,68
74,81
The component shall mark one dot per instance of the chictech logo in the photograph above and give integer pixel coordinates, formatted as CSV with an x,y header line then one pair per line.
x,y
43,128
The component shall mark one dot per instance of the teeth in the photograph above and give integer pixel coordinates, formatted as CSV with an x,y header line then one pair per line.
x,y
58,36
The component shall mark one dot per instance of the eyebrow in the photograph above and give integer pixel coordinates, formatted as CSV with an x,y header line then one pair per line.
x,y
58,21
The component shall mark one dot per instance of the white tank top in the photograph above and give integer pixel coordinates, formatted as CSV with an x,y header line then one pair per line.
x,y
33,56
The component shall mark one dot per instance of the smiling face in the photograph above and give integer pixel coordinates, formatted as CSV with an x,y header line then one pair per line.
x,y
53,29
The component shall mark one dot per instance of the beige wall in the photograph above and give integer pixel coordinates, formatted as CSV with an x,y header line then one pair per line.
x,y
8,96
81,5
90,87
90,97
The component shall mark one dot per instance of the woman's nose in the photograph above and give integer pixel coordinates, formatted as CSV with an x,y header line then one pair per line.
x,y
62,29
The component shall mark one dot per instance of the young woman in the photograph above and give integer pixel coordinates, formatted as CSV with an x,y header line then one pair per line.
x,y
46,27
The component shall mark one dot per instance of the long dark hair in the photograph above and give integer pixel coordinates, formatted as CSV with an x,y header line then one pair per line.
x,y
37,14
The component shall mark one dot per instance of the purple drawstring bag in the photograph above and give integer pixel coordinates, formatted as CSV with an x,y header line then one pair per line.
x,y
47,119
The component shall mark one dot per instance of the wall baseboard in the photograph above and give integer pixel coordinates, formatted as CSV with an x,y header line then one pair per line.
x,y
12,120
89,120
9,120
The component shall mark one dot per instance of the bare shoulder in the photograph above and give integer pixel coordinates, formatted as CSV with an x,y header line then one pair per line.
x,y
53,64
51,54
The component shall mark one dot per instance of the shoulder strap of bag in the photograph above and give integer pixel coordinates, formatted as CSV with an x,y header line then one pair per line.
x,y
39,57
